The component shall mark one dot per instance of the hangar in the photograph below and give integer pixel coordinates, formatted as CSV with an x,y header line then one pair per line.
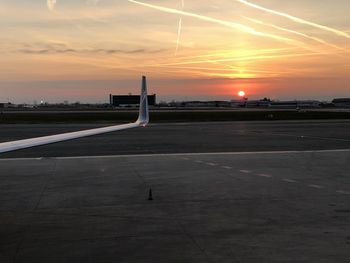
x,y
129,100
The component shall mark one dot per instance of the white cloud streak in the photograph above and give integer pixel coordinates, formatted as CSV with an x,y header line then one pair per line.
x,y
295,19
178,36
319,40
179,29
237,26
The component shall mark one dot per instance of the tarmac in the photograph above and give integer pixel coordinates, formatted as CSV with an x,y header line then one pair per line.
x,y
185,138
222,192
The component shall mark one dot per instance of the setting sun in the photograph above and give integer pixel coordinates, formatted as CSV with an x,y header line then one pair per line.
x,y
241,93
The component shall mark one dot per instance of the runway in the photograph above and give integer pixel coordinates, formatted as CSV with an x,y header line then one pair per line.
x,y
224,192
186,138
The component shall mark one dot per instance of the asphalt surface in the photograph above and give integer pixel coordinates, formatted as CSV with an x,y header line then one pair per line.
x,y
276,192
186,138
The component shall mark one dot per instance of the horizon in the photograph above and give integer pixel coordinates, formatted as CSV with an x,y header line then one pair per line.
x,y
83,50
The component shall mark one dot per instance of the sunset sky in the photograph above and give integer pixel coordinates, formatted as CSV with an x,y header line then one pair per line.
x,y
82,50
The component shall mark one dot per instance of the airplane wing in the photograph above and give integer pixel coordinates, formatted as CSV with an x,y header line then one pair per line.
x,y
142,120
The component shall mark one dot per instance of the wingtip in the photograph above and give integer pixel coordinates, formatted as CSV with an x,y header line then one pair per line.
x,y
143,118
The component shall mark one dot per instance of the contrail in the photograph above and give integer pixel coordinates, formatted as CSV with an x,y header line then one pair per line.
x,y
178,36
296,19
237,26
296,33
179,29
230,53
250,58
51,4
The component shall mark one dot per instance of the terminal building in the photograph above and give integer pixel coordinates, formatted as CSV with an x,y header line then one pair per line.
x,y
295,104
5,105
129,100
341,103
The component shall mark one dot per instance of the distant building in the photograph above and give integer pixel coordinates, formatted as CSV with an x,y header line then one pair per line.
x,y
342,102
303,104
238,103
130,100
264,103
5,105
205,104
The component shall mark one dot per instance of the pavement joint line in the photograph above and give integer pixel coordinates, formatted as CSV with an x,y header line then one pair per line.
x,y
343,192
183,123
174,154
192,238
310,137
289,180
265,175
316,186
226,167
212,164
245,171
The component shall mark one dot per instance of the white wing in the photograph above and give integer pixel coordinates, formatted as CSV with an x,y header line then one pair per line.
x,y
141,121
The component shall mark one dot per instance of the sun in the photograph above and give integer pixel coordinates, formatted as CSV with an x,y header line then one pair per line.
x,y
241,93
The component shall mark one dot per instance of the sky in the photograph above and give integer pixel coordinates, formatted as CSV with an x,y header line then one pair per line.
x,y
83,50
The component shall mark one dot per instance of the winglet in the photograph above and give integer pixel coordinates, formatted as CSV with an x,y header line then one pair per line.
x,y
143,111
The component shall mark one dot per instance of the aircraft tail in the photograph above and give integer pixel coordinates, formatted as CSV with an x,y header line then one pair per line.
x,y
143,118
